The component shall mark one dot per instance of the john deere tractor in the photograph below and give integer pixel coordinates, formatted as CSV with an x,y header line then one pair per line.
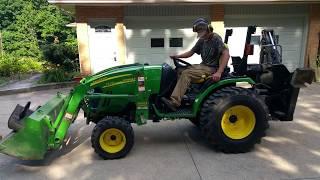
x,y
231,114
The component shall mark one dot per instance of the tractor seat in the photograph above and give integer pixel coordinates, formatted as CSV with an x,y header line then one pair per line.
x,y
203,79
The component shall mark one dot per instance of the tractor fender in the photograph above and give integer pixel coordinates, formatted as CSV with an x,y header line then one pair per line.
x,y
214,87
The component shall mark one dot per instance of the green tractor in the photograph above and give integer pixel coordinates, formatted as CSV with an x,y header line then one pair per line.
x,y
232,114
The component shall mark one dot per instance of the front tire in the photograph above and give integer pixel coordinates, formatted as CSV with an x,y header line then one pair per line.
x,y
234,119
112,138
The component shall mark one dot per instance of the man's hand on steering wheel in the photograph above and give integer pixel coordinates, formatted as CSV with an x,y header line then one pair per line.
x,y
174,56
179,62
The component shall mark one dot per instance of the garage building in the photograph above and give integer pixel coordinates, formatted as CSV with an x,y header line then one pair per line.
x,y
112,33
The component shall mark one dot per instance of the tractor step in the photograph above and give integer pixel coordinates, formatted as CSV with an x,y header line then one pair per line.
x,y
183,112
180,113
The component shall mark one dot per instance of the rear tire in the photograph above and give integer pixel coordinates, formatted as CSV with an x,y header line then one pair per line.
x,y
234,119
112,138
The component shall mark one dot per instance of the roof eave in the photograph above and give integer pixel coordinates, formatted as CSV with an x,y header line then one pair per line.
x,y
168,2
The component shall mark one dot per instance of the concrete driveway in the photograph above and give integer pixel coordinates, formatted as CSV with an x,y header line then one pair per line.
x,y
175,150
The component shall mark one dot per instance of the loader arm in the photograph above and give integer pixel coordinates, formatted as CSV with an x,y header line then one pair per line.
x,y
69,113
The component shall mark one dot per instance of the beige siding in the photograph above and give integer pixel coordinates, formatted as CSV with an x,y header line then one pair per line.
x,y
83,46
121,39
313,40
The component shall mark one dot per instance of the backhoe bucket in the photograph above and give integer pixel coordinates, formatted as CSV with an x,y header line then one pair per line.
x,y
302,76
32,130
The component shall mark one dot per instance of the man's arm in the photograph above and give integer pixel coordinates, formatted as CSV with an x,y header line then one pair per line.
x,y
183,55
224,58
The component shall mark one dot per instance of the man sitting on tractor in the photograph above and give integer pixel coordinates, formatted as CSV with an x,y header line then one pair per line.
x,y
214,54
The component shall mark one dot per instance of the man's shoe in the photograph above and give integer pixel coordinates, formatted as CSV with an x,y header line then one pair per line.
x,y
169,104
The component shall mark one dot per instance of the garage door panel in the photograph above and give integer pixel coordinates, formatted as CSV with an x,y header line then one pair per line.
x,y
158,24
286,35
150,50
269,22
289,29
153,59
158,32
291,48
138,43
138,38
139,46
287,56
186,33
289,44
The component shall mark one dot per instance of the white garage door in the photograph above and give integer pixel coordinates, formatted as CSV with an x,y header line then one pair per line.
x,y
153,33
291,29
154,44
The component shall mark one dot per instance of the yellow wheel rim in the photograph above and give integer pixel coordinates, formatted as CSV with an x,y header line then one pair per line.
x,y
238,122
112,140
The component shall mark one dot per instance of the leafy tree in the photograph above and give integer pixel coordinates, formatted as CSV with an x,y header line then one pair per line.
x,y
51,25
9,9
20,38
35,25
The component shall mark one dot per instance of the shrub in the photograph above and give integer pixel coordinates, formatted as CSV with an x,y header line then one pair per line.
x,y
64,55
53,75
11,65
57,75
30,65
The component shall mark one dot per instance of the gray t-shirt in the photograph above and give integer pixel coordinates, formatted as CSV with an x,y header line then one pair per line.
x,y
210,50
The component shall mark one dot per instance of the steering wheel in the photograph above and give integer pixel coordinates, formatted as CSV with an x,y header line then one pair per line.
x,y
180,63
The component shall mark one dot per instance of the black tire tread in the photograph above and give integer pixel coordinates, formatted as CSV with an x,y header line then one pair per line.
x,y
207,111
112,122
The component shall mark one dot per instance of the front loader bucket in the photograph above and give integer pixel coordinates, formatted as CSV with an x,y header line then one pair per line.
x,y
32,131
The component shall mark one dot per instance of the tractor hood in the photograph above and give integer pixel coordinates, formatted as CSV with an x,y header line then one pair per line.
x,y
122,75
110,72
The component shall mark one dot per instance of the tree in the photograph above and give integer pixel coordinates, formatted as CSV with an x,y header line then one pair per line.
x,y
9,9
1,46
34,26
51,24
20,38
